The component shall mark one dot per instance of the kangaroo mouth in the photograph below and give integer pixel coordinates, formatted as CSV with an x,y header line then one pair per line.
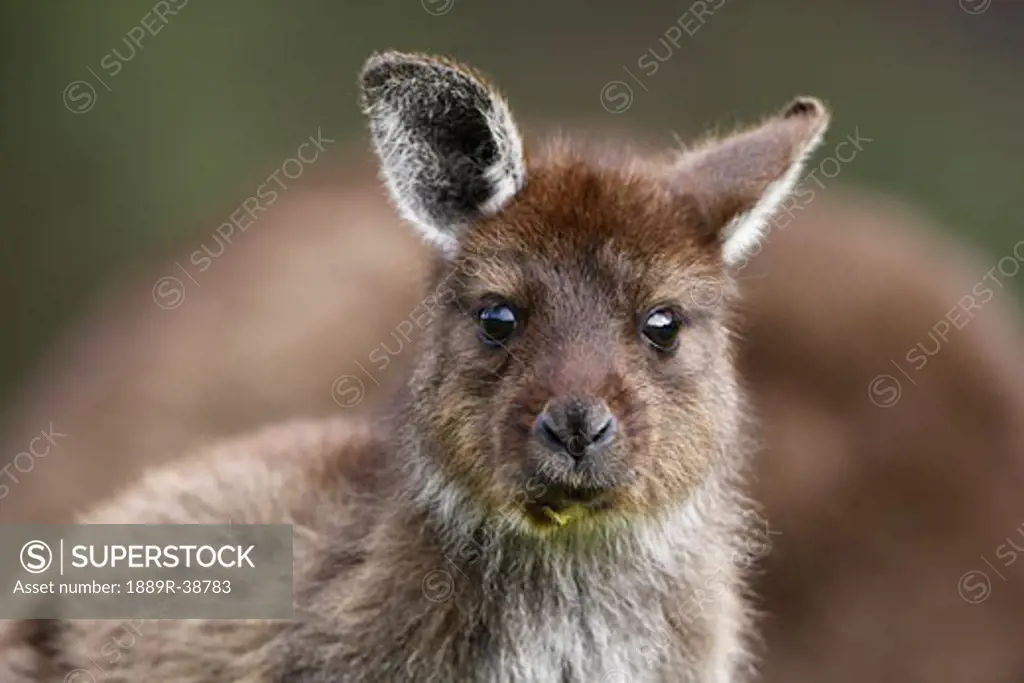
x,y
559,506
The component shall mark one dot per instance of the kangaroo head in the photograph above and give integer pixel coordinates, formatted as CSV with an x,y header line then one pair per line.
x,y
578,372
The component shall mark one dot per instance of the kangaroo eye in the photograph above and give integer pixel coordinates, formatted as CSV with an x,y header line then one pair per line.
x,y
661,328
497,323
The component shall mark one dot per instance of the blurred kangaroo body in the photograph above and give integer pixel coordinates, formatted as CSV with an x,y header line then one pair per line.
x,y
259,338
880,509
887,371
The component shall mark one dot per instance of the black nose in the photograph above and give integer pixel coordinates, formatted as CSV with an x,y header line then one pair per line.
x,y
575,426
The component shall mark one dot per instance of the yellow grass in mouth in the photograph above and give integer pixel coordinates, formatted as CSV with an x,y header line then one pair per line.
x,y
567,515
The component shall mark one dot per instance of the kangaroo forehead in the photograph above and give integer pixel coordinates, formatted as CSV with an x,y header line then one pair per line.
x,y
580,222
578,279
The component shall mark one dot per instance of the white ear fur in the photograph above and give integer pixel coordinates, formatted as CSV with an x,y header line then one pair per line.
x,y
507,174
450,151
745,231
743,179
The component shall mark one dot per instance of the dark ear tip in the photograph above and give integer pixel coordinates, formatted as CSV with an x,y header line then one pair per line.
x,y
805,107
382,67
380,64
389,58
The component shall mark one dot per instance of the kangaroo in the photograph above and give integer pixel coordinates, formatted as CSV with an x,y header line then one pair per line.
x,y
573,416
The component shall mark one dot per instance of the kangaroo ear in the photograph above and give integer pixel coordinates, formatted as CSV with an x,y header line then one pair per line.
x,y
449,150
740,181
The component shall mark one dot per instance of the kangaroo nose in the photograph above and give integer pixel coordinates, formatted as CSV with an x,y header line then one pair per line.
x,y
575,426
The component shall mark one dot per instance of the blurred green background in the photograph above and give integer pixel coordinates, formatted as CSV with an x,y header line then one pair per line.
x,y
199,112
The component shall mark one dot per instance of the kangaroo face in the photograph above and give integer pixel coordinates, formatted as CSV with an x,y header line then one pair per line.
x,y
582,364
580,372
